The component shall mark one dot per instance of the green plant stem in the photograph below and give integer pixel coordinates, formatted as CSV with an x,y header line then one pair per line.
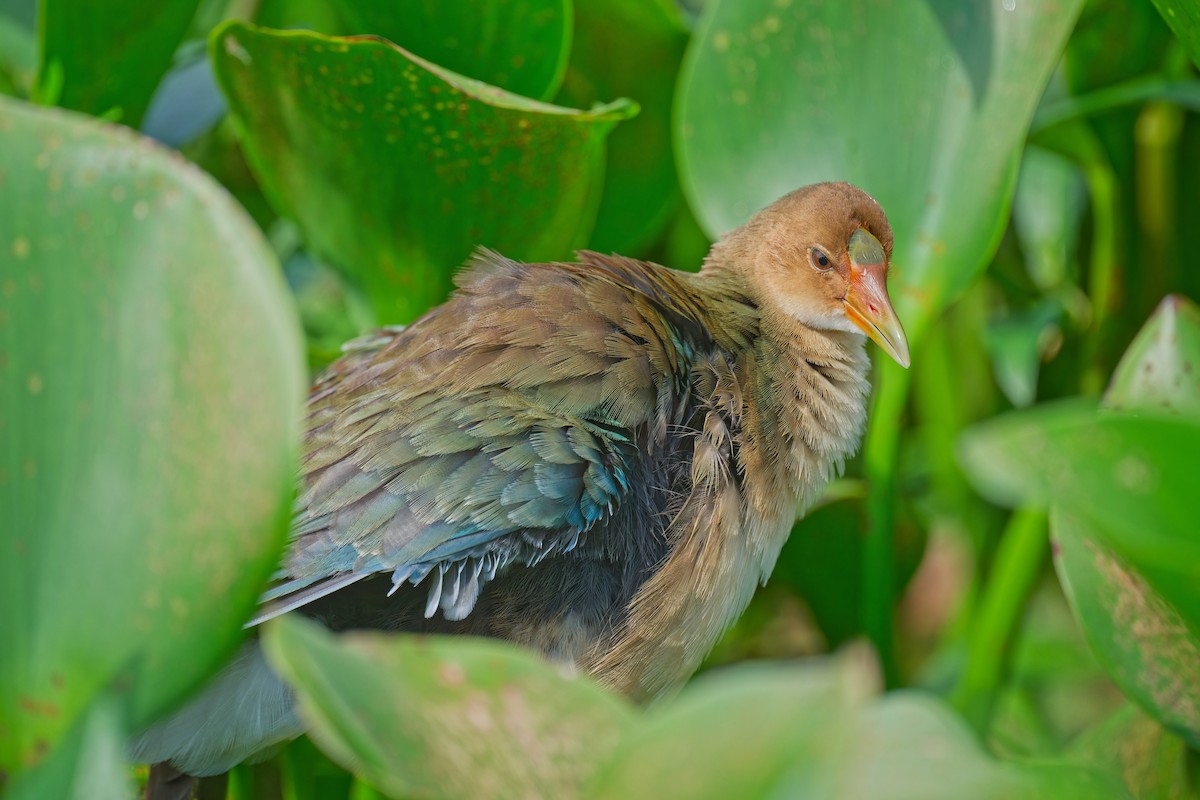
x,y
881,457
1018,561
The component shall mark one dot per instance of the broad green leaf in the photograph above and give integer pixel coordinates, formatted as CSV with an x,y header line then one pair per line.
x,y
1151,762
107,58
447,716
775,95
395,169
1142,616
1133,472
763,730
88,765
640,185
519,45
1017,343
1184,18
1149,648
150,384
810,733
912,747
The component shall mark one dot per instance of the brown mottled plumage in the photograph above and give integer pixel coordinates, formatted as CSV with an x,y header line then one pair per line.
x,y
599,460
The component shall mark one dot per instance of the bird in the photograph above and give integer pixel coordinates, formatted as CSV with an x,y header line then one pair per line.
x,y
598,460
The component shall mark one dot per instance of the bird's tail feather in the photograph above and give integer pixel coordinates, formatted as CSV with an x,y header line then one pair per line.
x,y
243,710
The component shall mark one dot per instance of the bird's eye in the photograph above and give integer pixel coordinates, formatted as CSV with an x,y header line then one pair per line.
x,y
819,260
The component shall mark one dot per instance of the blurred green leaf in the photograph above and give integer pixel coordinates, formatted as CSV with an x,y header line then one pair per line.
x,y
1017,344
18,58
1151,650
777,95
1047,213
395,169
1133,473
107,58
1183,17
763,730
914,748
447,716
1151,762
88,765
150,379
1161,368
1143,619
519,45
785,731
640,185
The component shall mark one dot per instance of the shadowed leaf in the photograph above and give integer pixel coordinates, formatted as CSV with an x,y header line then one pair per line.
x,y
107,58
395,169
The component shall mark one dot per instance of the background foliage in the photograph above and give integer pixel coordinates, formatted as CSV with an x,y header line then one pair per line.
x,y
1018,540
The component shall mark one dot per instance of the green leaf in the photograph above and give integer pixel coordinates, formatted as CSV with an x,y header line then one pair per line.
x,y
809,733
1142,616
1184,19
519,45
87,765
1133,472
1161,369
107,58
914,748
395,169
775,95
1149,760
763,730
447,716
1149,648
150,378
640,185
1047,213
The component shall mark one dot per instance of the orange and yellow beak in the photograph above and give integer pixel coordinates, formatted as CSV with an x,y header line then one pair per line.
x,y
867,302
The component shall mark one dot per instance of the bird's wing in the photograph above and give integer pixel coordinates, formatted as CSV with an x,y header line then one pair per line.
x,y
499,428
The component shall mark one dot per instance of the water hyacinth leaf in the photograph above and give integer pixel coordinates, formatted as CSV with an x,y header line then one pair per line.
x,y
776,95
150,384
1047,212
447,716
1148,647
519,45
395,169
813,732
640,185
1133,472
1143,618
1151,761
917,749
1017,343
107,58
772,730
88,765
1161,368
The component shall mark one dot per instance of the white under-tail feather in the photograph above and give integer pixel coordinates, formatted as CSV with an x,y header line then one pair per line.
x,y
245,709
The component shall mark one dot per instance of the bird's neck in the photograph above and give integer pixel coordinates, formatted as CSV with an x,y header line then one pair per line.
x,y
805,410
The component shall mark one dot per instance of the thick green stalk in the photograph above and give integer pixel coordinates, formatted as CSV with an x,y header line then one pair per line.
x,y
881,456
1018,561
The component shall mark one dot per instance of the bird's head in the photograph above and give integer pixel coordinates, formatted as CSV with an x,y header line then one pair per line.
x,y
820,256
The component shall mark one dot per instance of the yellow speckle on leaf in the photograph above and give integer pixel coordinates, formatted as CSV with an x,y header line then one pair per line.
x,y
35,384
20,247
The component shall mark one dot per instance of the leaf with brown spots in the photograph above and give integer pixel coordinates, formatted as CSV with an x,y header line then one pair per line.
x,y
448,716
1142,613
150,391
396,169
